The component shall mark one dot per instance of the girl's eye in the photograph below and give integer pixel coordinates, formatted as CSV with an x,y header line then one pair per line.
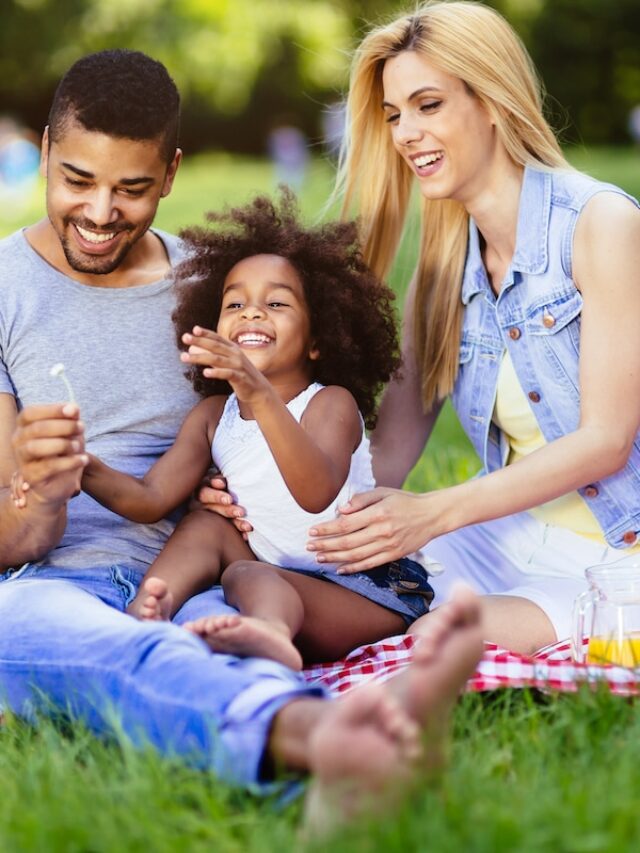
x,y
276,304
233,306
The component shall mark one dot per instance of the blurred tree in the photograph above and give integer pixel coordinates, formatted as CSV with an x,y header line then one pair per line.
x,y
589,54
245,65
216,50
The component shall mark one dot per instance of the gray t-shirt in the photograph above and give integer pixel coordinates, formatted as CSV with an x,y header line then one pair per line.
x,y
119,350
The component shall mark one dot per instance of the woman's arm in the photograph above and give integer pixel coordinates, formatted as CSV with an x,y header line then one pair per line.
x,y
403,427
384,524
169,482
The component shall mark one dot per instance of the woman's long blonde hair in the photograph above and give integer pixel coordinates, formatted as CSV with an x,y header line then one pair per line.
x,y
475,44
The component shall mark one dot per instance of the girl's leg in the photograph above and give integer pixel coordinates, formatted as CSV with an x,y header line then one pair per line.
x,y
279,608
191,561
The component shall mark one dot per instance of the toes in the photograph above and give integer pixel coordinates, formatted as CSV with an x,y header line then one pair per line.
x,y
156,587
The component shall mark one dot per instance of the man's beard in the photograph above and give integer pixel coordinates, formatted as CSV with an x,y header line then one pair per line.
x,y
94,264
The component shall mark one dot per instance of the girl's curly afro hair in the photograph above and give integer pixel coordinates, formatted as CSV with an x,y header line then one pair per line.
x,y
351,312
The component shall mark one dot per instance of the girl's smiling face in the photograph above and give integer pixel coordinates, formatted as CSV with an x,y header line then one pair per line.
x,y
265,313
442,131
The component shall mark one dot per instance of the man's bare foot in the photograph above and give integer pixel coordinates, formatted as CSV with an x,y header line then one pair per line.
x,y
153,602
247,636
358,762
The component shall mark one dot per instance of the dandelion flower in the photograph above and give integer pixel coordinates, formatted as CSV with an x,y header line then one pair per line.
x,y
58,371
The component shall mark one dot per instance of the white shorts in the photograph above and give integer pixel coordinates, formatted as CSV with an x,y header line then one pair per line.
x,y
519,555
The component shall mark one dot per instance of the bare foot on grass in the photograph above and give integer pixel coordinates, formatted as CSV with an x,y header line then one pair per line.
x,y
153,602
361,762
247,636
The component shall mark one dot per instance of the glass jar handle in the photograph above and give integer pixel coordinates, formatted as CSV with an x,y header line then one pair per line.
x,y
582,605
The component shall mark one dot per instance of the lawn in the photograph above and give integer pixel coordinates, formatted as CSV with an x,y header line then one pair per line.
x,y
528,772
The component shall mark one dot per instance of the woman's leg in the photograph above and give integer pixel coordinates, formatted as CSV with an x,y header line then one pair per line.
x,y
191,561
280,608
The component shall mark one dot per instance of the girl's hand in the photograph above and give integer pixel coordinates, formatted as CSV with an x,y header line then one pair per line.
x,y
222,359
375,528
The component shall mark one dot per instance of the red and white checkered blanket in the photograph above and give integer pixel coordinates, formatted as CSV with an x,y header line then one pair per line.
x,y
552,668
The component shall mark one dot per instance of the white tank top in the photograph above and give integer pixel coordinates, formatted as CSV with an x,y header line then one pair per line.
x,y
280,525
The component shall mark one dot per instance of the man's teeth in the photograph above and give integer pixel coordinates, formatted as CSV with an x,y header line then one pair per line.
x,y
92,237
427,159
253,338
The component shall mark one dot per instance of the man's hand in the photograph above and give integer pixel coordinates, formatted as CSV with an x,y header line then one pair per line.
x,y
48,445
214,496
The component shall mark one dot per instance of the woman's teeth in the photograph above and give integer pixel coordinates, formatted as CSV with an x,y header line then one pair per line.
x,y
427,159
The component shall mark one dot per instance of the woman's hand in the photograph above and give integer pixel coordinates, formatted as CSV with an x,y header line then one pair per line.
x,y
375,528
222,359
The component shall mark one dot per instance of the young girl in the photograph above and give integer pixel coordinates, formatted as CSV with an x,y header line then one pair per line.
x,y
305,337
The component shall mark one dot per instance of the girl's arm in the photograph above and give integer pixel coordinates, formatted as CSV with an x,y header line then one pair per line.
x,y
403,427
169,482
313,456
383,524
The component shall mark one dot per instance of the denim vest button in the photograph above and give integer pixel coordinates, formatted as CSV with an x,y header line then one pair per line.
x,y
548,320
514,333
629,537
591,491
534,396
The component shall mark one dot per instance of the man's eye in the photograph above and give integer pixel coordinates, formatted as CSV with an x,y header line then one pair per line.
x,y
131,192
73,182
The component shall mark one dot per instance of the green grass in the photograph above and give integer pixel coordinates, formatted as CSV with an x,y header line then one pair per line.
x,y
527,772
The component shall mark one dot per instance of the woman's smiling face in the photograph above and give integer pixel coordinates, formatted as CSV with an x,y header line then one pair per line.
x,y
442,131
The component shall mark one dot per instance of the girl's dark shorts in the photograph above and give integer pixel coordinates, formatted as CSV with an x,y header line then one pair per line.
x,y
402,586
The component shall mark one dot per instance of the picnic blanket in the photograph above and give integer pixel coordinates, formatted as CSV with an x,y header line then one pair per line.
x,y
552,668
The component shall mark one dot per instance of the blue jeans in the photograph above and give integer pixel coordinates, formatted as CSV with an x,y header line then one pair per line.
x,y
66,644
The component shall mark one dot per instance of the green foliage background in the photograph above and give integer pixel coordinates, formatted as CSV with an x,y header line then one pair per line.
x,y
244,65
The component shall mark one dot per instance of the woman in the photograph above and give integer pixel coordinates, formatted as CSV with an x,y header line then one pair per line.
x,y
524,309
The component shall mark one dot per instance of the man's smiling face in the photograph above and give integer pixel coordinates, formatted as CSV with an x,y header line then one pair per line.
x,y
102,194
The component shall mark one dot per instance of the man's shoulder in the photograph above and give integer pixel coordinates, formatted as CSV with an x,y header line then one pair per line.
x,y
174,246
12,241
14,255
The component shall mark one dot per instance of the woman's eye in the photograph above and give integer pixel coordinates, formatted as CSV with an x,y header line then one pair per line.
x,y
392,117
430,105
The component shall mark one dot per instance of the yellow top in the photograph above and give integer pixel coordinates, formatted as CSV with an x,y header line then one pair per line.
x,y
513,415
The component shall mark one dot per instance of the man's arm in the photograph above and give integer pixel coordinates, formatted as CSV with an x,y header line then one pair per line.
x,y
45,445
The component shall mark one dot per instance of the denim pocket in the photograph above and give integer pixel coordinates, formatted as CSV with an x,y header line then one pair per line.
x,y
121,579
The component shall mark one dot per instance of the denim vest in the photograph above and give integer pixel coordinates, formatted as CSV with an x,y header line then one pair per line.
x,y
536,317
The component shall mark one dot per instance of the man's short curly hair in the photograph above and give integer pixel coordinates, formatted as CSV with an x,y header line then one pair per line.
x,y
121,93
351,312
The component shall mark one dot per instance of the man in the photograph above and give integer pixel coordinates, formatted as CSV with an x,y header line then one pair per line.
x,y
89,287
